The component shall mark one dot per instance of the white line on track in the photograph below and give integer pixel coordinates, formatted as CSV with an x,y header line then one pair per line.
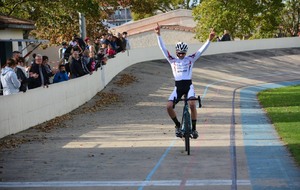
x,y
122,183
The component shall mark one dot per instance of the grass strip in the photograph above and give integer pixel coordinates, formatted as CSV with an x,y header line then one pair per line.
x,y
283,108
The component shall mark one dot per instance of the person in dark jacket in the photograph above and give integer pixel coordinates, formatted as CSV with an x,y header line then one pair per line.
x,y
225,37
38,69
76,66
22,74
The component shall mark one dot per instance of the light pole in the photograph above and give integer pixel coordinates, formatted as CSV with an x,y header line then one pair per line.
x,y
82,27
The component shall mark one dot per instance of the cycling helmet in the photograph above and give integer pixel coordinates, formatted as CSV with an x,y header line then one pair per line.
x,y
181,47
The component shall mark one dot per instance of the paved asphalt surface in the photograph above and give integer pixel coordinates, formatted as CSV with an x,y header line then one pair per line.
x,y
130,144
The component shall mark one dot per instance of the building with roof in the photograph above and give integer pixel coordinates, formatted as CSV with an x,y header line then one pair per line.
x,y
12,33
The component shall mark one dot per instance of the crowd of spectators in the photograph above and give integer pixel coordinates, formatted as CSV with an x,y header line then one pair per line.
x,y
77,58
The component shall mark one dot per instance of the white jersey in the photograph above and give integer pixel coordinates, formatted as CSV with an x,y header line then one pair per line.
x,y
182,68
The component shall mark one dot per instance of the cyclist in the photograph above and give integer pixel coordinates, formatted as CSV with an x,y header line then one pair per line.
x,y
182,71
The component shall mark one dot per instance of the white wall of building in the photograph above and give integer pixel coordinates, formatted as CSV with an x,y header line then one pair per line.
x,y
11,34
8,34
24,110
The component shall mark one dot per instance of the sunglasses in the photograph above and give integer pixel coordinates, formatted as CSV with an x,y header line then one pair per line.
x,y
180,53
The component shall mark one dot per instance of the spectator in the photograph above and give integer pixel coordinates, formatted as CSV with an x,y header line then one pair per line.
x,y
76,66
73,42
107,41
97,44
77,44
225,37
124,34
61,75
62,50
92,62
85,59
81,43
101,58
110,51
118,43
68,53
22,74
47,66
122,42
9,78
89,44
22,65
38,74
67,58
16,55
113,42
103,39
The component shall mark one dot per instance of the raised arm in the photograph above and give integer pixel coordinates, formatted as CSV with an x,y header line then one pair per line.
x,y
212,35
204,46
161,44
157,29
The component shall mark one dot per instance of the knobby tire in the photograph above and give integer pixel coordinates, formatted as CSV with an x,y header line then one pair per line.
x,y
187,132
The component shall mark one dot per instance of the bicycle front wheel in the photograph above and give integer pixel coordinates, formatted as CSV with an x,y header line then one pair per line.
x,y
187,143
187,132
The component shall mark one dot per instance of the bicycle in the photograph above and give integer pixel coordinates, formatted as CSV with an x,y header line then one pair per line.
x,y
186,122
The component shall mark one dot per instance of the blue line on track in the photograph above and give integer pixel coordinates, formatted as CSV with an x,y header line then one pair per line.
x,y
148,178
269,162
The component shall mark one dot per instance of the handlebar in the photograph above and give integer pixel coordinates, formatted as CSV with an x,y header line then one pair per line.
x,y
175,101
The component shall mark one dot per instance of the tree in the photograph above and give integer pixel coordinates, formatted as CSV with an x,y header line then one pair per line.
x,y
58,20
290,19
247,18
267,18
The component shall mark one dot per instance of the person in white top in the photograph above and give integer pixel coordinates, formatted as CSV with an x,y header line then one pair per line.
x,y
9,78
182,66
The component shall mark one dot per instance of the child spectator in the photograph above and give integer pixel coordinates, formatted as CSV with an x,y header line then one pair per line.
x,y
110,51
61,75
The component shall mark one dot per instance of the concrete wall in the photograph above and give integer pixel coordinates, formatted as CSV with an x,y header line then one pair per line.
x,y
24,110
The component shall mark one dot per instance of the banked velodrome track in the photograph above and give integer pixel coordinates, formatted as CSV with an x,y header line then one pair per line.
x,y
131,144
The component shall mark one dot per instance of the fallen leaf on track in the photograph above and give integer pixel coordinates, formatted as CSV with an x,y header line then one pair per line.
x,y
125,80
